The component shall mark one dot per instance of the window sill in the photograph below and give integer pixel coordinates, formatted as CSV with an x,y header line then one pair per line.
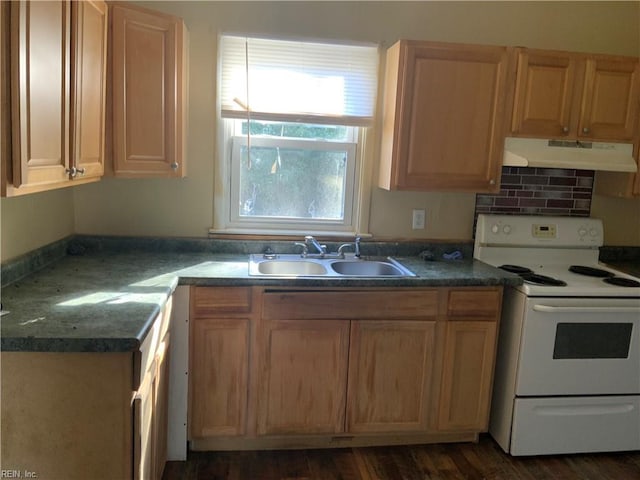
x,y
254,234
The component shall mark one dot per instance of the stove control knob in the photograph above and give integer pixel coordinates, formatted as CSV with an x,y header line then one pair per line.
x,y
593,232
494,228
506,229
582,231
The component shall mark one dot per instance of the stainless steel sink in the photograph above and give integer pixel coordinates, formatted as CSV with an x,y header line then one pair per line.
x,y
294,265
368,268
290,267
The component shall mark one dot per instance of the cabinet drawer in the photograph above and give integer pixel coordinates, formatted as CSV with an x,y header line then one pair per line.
x,y
469,303
351,305
220,300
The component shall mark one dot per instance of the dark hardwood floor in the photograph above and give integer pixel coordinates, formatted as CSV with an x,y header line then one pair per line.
x,y
484,460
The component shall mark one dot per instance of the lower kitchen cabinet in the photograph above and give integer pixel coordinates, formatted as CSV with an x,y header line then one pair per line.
x,y
221,331
467,376
390,375
150,413
302,376
468,359
309,367
87,415
220,362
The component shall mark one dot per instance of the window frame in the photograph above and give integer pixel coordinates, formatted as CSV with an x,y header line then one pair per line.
x,y
358,190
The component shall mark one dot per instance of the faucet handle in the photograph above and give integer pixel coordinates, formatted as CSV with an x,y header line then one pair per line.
x,y
305,249
342,247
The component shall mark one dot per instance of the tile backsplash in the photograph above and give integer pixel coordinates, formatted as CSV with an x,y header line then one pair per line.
x,y
540,191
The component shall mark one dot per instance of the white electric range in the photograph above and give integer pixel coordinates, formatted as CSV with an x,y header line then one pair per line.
x,y
567,374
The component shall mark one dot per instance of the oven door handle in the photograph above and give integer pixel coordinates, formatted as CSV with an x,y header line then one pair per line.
x,y
552,309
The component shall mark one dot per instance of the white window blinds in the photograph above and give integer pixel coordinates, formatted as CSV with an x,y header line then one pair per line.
x,y
298,81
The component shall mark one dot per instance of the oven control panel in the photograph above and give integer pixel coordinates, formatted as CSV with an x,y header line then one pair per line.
x,y
547,230
528,230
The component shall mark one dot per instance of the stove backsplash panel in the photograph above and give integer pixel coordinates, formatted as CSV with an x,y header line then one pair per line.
x,y
540,191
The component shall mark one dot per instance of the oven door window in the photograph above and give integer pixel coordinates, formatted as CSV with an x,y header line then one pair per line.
x,y
592,340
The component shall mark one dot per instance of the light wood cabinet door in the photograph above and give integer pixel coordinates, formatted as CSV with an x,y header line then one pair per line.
x,y
148,93
303,376
544,95
151,412
89,19
58,68
40,56
467,376
390,374
575,96
444,111
219,376
609,108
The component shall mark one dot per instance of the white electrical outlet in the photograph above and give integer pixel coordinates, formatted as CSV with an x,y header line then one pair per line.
x,y
418,220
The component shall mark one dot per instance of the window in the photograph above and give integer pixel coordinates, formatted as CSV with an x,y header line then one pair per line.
x,y
295,115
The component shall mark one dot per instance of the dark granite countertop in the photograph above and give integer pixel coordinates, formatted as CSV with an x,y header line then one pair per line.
x,y
630,267
625,259
106,301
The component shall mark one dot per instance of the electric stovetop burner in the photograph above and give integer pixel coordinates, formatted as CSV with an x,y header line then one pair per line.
x,y
590,271
530,277
622,282
515,269
544,280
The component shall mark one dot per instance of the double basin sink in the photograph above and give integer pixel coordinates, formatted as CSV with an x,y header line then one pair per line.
x,y
295,265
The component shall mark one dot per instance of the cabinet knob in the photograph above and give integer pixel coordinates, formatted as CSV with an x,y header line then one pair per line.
x,y
585,130
492,182
73,171
565,129
174,166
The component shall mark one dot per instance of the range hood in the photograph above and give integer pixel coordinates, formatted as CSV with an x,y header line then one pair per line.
x,y
529,152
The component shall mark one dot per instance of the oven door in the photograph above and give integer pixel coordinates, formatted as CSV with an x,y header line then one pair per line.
x,y
579,346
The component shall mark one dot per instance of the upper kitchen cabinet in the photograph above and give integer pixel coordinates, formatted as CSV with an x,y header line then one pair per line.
x,y
58,67
444,108
148,73
575,96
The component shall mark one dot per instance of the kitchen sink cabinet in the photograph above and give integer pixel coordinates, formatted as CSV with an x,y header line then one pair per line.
x,y
279,367
148,90
574,96
58,94
87,415
390,375
302,376
383,339
443,117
